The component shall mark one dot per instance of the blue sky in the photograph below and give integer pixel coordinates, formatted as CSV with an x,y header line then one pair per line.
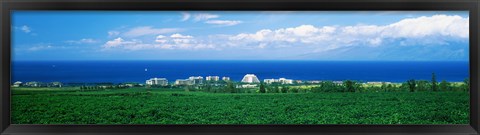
x,y
241,35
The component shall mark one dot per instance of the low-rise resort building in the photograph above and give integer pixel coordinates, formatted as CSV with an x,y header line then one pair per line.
x,y
280,81
183,82
247,86
212,78
192,80
196,79
157,82
17,84
54,84
34,84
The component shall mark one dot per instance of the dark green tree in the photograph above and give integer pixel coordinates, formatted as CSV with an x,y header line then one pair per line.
x,y
384,86
444,86
434,82
349,86
284,89
358,87
411,85
390,87
230,87
466,84
328,86
294,90
423,85
262,88
275,89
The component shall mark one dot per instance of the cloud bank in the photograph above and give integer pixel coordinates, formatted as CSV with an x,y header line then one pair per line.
x,y
437,32
437,29
148,30
207,18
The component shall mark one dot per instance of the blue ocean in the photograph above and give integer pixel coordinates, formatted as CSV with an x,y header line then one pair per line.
x,y
139,71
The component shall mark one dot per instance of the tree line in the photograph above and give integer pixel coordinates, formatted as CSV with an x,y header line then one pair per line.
x,y
411,85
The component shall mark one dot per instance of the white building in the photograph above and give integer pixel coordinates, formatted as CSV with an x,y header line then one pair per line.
x,y
17,84
157,81
247,86
196,79
285,81
55,84
212,78
269,81
183,82
314,81
192,80
250,78
338,82
226,78
280,80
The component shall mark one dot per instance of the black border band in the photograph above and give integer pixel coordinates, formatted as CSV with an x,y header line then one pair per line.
x,y
239,5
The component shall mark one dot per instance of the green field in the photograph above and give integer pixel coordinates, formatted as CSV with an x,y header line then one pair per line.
x,y
175,106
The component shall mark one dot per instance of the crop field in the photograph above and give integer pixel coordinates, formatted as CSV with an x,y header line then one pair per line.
x,y
175,106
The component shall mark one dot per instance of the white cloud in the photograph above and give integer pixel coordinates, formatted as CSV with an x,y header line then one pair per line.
x,y
114,43
177,35
180,39
148,30
82,41
432,30
126,45
444,25
174,41
161,39
40,47
303,34
424,30
26,29
113,33
118,42
223,22
185,16
204,16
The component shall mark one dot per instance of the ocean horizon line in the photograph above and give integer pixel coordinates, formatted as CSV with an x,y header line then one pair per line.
x,y
239,81
139,71
256,60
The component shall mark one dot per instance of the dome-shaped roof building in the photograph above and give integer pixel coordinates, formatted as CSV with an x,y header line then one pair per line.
x,y
250,78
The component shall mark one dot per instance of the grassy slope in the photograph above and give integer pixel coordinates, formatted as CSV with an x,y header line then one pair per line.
x,y
143,106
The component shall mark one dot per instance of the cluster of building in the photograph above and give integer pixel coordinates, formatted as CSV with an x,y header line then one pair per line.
x,y
59,84
157,81
280,81
249,81
36,84
318,81
192,80
252,78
